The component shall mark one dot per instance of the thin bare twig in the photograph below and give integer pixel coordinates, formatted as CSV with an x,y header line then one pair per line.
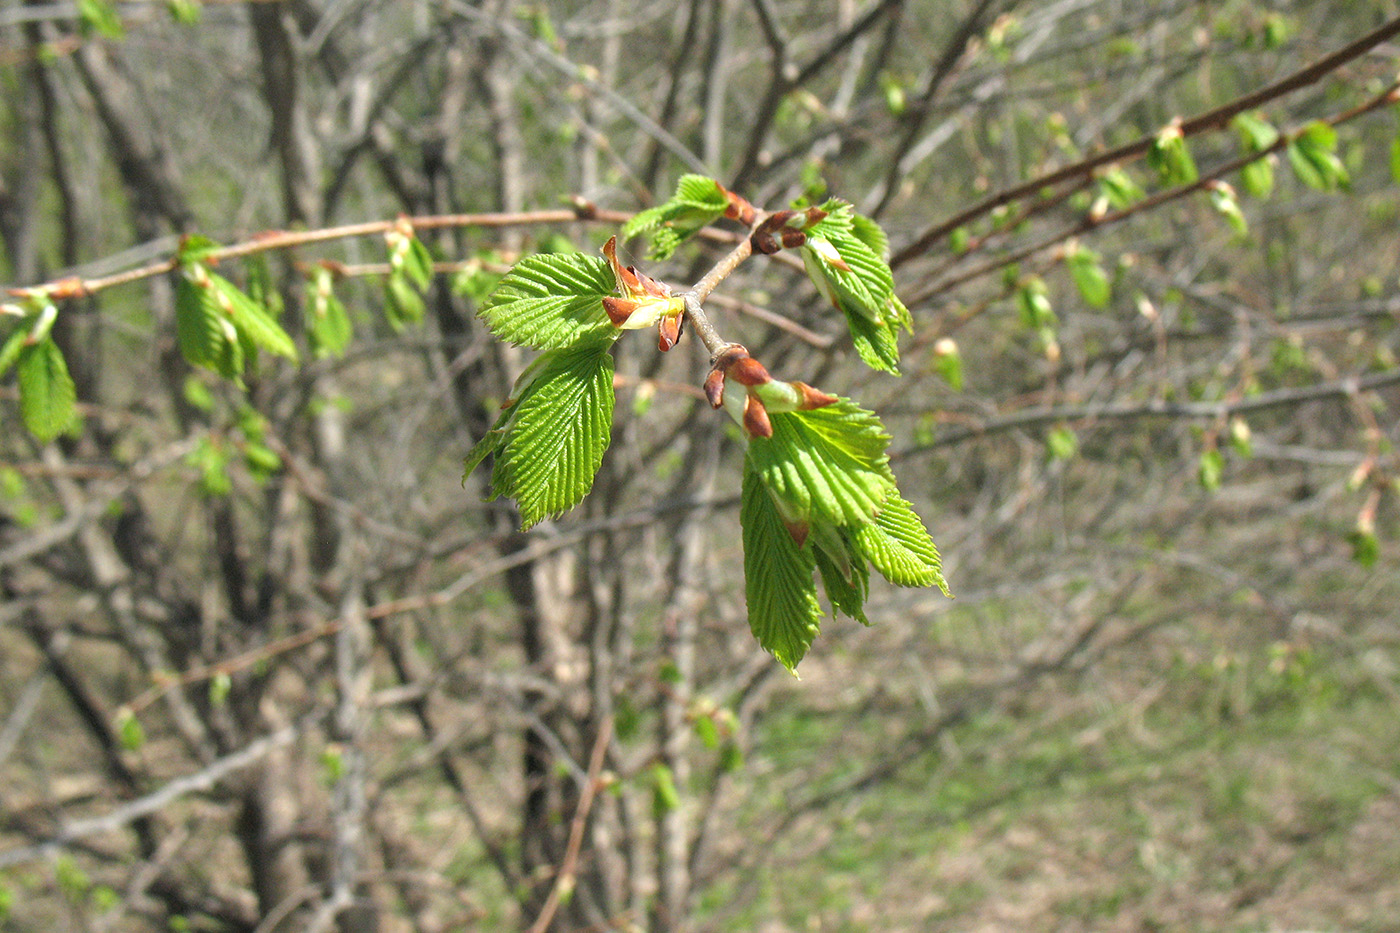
x,y
564,878
1210,120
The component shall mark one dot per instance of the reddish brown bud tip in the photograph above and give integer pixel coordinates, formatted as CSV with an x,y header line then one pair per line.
x,y
798,530
619,309
649,285
668,331
814,214
584,209
748,371
765,243
71,287
792,239
627,281
739,209
714,388
756,418
812,398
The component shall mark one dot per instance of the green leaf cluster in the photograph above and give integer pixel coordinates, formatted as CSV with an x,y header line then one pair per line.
x,y
327,322
1169,157
1313,155
698,201
846,257
1257,136
410,271
218,326
820,500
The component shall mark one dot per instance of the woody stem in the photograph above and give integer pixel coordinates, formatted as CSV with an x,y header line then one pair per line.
x,y
695,298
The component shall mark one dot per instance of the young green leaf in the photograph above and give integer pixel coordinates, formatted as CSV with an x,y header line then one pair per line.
x,y
551,301
100,17
847,583
1313,155
205,337
1089,276
218,326
698,201
14,343
1257,177
1211,469
47,396
1118,188
1171,159
1222,198
899,546
328,323
782,596
827,465
184,12
1061,443
844,256
403,305
555,433
1256,133
251,319
947,362
1365,546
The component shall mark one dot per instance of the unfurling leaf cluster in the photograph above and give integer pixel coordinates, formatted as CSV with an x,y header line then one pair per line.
x,y
819,497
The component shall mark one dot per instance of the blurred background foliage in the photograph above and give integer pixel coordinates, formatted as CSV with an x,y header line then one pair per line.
x,y
265,664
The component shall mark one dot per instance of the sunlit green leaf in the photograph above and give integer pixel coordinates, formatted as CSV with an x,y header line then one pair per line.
x,y
1222,198
551,301
403,305
1313,155
1061,443
47,396
328,322
1089,277
899,546
698,201
251,319
827,465
556,431
1365,547
1170,158
1119,189
184,12
1211,470
100,17
784,614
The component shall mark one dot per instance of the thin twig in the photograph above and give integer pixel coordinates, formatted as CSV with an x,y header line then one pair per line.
x,y
157,800
565,876
1210,120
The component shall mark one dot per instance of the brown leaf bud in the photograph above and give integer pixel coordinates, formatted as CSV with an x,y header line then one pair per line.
x,y
756,418
812,398
739,209
618,309
791,239
668,331
714,388
748,371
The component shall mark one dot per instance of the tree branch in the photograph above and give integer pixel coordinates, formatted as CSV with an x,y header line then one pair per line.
x,y
1210,120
